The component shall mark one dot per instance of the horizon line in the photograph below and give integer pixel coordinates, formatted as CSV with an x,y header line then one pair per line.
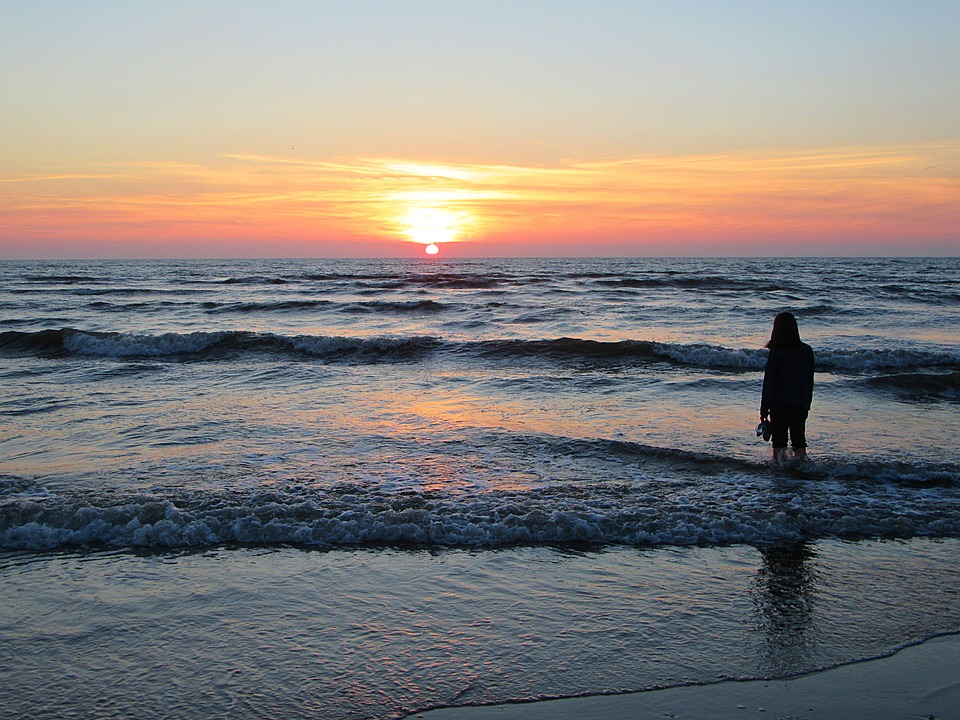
x,y
436,259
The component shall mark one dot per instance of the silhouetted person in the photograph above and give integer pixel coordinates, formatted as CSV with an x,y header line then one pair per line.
x,y
787,387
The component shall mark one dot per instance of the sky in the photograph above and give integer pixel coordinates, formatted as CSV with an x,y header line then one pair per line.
x,y
373,128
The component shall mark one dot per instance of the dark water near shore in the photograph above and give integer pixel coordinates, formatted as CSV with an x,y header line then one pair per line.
x,y
376,633
224,448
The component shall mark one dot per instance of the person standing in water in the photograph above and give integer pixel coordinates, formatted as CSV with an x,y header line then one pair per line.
x,y
787,387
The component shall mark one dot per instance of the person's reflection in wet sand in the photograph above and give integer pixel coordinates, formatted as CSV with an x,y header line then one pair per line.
x,y
783,597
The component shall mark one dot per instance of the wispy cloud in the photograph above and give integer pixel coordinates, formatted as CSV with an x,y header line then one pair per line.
x,y
909,190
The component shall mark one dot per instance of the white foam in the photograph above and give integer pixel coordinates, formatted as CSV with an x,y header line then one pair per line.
x,y
717,517
137,345
712,356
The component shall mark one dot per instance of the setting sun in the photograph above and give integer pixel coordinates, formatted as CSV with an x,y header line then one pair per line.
x,y
432,225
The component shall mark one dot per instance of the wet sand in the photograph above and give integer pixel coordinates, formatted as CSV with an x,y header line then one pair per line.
x,y
920,681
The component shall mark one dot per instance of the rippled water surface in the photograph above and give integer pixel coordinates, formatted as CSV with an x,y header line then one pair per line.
x,y
474,403
352,489
377,633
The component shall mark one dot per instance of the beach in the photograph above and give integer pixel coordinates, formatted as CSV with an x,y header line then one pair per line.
x,y
922,681
436,360
381,633
430,359
361,489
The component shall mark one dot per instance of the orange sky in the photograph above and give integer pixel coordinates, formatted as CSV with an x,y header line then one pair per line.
x,y
503,128
252,205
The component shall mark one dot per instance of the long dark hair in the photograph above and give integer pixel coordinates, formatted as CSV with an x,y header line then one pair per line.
x,y
785,333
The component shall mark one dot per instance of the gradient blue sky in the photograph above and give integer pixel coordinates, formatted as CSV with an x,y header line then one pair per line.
x,y
99,95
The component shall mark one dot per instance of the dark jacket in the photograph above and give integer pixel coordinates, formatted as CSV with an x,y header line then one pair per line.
x,y
788,378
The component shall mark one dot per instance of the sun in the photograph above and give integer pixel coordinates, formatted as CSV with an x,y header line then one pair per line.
x,y
431,225
431,249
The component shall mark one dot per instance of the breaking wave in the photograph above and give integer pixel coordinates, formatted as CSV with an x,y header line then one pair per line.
x,y
732,502
920,386
216,345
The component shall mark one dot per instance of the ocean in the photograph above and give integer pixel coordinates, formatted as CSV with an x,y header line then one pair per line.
x,y
359,488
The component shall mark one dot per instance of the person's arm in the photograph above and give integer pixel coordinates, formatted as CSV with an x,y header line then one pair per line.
x,y
769,382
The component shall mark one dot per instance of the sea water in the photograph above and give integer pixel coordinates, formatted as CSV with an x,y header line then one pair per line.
x,y
354,489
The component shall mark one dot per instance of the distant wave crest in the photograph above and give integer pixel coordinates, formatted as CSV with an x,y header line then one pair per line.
x,y
233,343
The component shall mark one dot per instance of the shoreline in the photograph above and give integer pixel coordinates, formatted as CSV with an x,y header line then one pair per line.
x,y
920,681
